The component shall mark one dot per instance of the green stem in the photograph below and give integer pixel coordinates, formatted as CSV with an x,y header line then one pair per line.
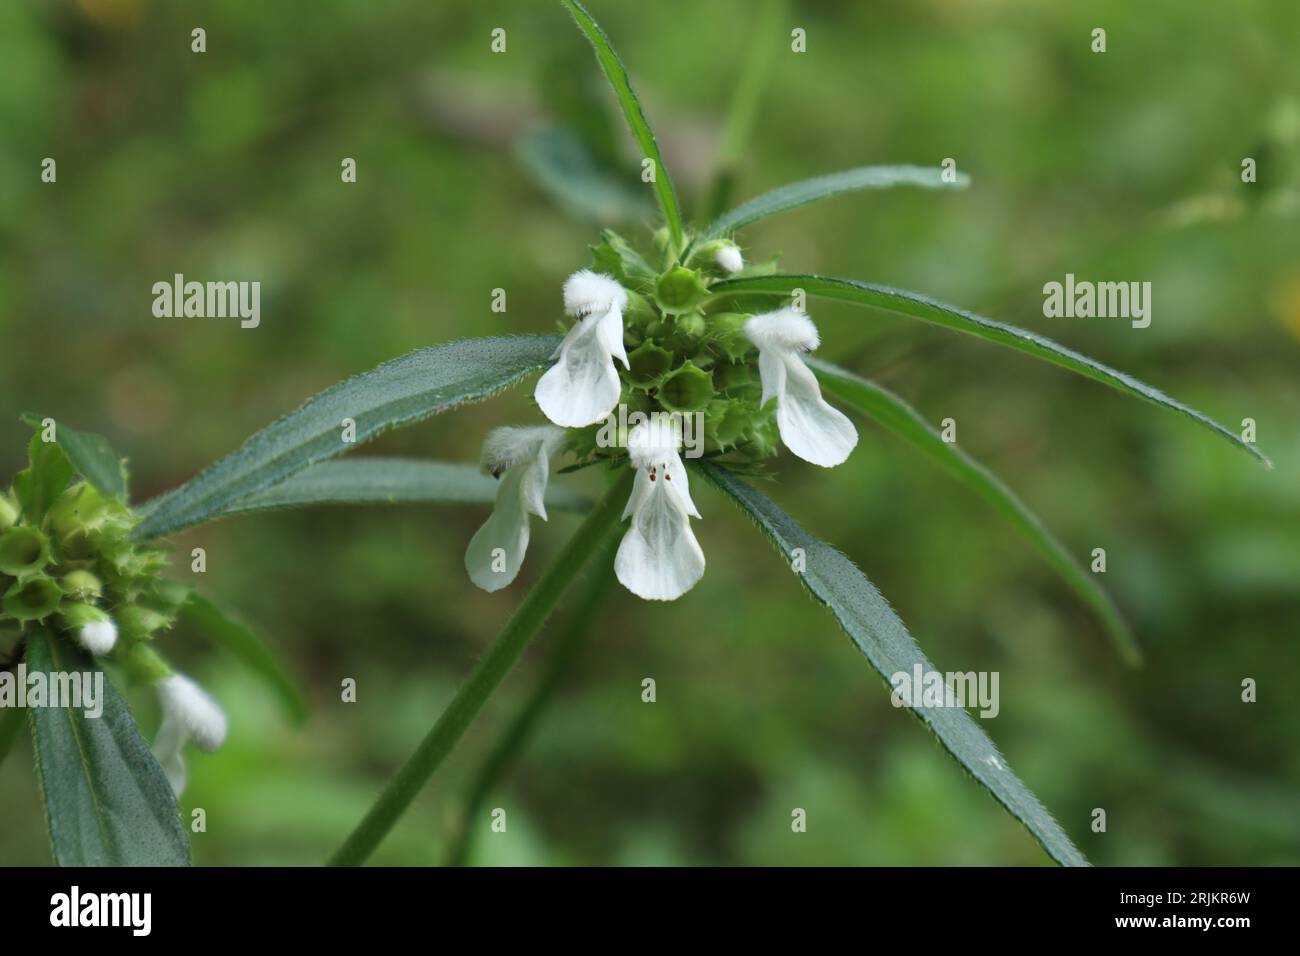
x,y
599,526
565,650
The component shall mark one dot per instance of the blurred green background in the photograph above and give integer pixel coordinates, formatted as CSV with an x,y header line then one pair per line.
x,y
1116,166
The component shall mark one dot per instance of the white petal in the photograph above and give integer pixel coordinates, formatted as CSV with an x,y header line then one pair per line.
x,y
785,330
582,387
496,552
610,330
771,372
168,748
512,444
98,637
729,259
197,714
654,440
659,558
811,428
587,292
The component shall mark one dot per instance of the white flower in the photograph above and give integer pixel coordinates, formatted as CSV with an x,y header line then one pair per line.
x,y
582,387
659,558
810,427
98,637
189,713
729,258
521,458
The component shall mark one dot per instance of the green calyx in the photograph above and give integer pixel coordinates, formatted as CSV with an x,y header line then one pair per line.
x,y
32,598
23,551
67,557
689,389
649,364
679,290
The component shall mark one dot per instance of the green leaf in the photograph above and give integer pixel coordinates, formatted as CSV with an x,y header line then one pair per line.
x,y
867,618
91,455
106,799
572,175
11,722
926,309
43,480
378,481
231,635
904,421
822,187
397,393
616,73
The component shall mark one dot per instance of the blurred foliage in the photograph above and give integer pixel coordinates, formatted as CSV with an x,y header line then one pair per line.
x,y
1115,166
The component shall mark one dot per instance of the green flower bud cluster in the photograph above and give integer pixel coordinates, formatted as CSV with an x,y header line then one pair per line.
x,y
687,350
67,560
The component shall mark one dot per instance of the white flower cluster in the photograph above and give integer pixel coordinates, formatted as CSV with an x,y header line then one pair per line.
x,y
659,558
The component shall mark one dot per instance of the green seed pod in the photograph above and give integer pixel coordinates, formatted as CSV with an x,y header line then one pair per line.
x,y
8,513
81,586
679,290
689,389
23,550
32,598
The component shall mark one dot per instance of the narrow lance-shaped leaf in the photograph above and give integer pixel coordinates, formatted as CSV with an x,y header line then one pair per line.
x,y
904,421
616,73
106,799
226,632
378,481
832,184
922,307
91,455
883,639
400,392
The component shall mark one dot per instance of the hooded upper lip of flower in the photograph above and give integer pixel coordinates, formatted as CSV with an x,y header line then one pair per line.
x,y
729,258
189,713
98,637
809,426
521,458
659,558
583,386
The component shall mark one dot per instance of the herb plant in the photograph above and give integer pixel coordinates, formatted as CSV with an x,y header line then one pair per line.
x,y
684,364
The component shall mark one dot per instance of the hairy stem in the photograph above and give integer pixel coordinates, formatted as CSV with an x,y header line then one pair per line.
x,y
598,528
567,645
